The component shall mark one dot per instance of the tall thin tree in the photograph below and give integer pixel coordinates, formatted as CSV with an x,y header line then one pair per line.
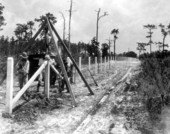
x,y
150,27
115,32
97,22
69,28
165,31
64,25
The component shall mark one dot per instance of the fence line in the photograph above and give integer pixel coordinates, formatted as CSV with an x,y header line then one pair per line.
x,y
11,102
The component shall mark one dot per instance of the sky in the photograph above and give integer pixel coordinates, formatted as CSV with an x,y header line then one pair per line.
x,y
128,16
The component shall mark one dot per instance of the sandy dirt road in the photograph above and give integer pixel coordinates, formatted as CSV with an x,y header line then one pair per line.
x,y
64,119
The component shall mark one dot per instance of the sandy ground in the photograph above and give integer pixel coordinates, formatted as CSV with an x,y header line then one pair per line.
x,y
111,118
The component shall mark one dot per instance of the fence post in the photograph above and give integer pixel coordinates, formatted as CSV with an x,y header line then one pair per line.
x,y
101,64
9,84
108,62
89,61
47,80
105,64
80,63
95,65
74,77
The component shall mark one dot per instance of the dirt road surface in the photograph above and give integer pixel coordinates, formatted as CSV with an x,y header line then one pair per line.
x,y
94,114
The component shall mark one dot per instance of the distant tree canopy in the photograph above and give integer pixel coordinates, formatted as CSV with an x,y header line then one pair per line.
x,y
105,49
131,54
93,48
23,32
42,19
128,54
2,19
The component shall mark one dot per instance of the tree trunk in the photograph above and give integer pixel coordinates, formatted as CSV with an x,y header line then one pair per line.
x,y
163,43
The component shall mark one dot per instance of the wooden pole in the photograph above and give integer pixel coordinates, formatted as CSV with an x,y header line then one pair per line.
x,y
47,79
95,65
101,64
80,63
105,63
75,73
69,55
70,14
89,61
55,70
108,62
9,84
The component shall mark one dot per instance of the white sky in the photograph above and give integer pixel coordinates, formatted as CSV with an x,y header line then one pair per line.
x,y
128,16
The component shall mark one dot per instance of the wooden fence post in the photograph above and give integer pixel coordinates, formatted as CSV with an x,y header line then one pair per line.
x,y
105,64
101,64
89,61
9,84
108,62
95,65
80,63
74,77
47,80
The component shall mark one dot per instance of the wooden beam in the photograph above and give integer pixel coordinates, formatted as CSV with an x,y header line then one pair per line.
x,y
55,70
47,80
80,63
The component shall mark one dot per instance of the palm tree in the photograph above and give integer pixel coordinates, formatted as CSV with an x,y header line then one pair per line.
x,y
165,31
115,32
150,27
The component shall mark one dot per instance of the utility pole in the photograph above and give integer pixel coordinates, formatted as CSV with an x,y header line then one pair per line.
x,y
64,25
70,14
97,23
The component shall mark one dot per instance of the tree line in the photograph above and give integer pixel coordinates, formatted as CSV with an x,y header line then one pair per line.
x,y
23,33
161,45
